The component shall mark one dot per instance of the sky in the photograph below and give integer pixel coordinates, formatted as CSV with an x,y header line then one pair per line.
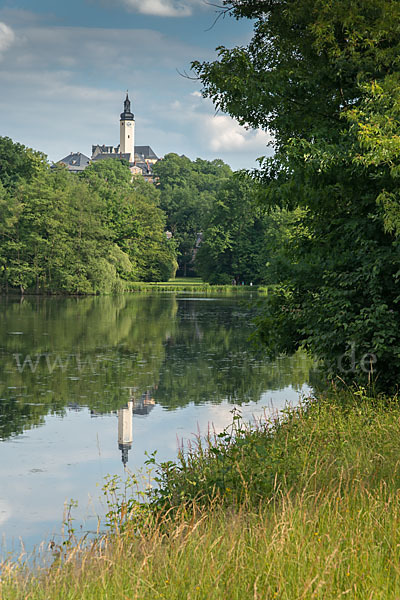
x,y
65,68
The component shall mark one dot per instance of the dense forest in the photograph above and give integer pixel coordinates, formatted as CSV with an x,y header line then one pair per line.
x,y
97,231
222,233
90,233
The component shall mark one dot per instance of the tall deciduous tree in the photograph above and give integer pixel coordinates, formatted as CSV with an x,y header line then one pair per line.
x,y
241,238
18,163
188,192
310,75
134,219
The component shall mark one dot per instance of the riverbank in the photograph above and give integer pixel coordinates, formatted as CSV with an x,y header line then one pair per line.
x,y
304,507
193,285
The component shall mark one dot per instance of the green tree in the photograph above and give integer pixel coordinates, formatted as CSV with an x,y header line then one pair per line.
x,y
236,245
54,237
85,234
307,76
111,181
18,163
188,192
153,255
134,219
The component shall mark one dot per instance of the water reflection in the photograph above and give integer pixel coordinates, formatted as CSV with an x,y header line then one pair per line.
x,y
81,352
125,435
87,383
93,352
141,406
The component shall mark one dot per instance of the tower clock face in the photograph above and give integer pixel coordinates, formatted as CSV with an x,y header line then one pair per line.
x,y
128,124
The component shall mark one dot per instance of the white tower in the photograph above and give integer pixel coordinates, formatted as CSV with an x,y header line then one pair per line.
x,y
125,430
127,131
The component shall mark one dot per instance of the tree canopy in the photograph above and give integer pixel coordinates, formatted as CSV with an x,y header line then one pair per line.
x,y
240,237
323,78
60,232
18,163
188,192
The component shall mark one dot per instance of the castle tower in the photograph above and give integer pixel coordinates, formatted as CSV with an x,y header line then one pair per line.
x,y
127,131
125,431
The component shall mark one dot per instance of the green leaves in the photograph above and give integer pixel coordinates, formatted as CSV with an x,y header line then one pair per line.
x,y
188,192
18,163
324,78
63,233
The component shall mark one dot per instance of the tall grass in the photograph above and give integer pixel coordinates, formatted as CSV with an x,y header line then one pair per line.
x,y
303,507
344,437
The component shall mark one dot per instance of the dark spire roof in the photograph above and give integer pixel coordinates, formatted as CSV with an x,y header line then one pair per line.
x,y
127,115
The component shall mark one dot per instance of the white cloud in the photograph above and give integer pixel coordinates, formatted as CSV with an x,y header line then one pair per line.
x,y
226,135
219,133
7,37
159,8
163,8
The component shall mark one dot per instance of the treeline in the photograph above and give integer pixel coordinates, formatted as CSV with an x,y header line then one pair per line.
x,y
90,233
97,231
222,233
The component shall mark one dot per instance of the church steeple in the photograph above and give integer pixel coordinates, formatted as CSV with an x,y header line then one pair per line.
x,y
127,131
127,115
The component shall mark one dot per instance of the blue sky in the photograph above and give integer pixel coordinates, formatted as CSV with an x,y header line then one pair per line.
x,y
64,68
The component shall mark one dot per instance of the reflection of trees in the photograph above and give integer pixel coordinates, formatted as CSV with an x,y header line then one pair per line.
x,y
210,360
82,352
92,351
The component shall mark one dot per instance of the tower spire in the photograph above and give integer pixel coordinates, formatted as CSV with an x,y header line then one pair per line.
x,y
127,103
127,115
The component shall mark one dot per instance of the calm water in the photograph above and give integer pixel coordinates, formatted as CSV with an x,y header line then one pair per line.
x,y
89,384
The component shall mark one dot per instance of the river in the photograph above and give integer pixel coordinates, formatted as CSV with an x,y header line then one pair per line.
x,y
88,385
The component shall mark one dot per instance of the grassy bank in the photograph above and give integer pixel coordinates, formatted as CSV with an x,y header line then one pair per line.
x,y
191,284
308,507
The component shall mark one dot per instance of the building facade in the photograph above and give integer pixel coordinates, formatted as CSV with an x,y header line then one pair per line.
x,y
140,158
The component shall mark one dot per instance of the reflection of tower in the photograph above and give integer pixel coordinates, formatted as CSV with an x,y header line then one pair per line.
x,y
125,431
144,405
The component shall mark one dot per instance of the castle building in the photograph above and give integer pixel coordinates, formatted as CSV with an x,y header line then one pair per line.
x,y
140,158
